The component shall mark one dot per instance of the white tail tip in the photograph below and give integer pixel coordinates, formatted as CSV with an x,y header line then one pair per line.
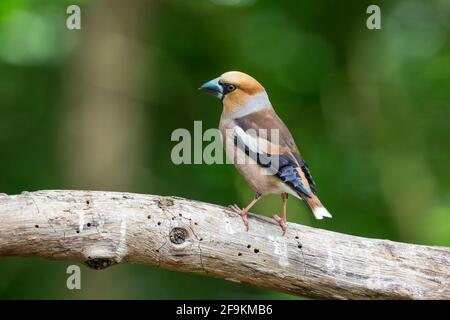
x,y
320,212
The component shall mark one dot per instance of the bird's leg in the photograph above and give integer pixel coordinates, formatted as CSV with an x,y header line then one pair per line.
x,y
243,212
282,221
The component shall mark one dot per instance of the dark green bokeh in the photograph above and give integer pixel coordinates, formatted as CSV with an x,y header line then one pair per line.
x,y
369,110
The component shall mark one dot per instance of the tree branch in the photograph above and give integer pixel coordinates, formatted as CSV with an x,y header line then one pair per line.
x,y
105,228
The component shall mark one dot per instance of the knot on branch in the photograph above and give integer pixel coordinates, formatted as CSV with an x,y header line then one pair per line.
x,y
99,263
178,235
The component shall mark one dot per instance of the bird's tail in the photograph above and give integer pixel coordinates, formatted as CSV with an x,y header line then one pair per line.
x,y
316,207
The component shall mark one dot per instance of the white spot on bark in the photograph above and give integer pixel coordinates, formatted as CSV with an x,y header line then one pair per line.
x,y
122,247
229,229
330,262
80,221
334,262
374,281
280,250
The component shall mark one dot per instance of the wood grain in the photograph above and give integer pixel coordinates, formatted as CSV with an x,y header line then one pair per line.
x,y
101,229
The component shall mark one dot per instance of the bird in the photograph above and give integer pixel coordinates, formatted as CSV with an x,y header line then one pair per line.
x,y
270,163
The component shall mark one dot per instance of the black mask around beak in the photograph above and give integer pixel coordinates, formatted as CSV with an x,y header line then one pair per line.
x,y
213,87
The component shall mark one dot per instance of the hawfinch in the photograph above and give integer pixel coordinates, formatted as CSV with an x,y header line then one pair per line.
x,y
260,145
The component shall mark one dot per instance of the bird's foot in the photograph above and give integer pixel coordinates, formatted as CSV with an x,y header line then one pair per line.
x,y
281,222
242,212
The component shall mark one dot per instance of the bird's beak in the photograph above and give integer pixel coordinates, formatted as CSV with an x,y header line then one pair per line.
x,y
213,87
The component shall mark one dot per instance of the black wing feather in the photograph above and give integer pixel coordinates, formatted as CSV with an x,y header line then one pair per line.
x,y
286,170
309,177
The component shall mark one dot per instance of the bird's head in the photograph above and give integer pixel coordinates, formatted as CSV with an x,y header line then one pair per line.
x,y
239,92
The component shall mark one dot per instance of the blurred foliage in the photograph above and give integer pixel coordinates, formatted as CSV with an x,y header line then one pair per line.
x,y
369,110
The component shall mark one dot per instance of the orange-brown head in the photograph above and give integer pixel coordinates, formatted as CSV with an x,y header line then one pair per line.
x,y
240,93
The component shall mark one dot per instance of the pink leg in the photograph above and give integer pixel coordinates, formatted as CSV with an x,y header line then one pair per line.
x,y
244,212
282,221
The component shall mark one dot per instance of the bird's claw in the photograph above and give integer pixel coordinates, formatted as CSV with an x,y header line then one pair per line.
x,y
281,222
242,212
235,208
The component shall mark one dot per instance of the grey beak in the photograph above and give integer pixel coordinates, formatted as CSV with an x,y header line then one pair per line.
x,y
213,87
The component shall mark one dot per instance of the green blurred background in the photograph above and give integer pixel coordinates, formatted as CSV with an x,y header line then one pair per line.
x,y
94,109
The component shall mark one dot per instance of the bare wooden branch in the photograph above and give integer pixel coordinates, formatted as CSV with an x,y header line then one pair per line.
x,y
105,228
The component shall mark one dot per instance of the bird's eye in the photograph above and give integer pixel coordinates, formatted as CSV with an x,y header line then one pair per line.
x,y
229,87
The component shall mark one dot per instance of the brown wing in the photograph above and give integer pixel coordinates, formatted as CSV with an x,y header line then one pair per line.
x,y
292,166
268,119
